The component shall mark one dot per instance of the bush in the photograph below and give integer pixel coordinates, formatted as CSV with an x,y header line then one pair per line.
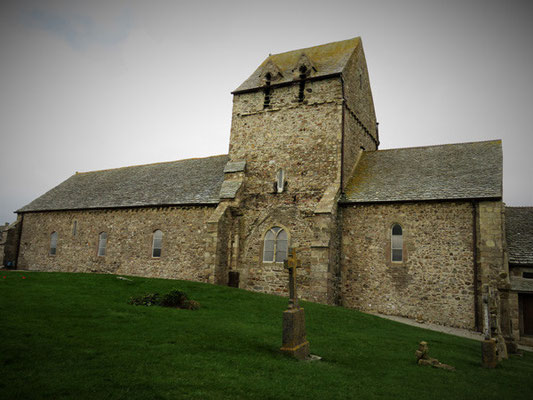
x,y
191,305
149,299
175,298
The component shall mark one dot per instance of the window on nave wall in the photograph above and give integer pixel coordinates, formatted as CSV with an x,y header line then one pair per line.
x,y
102,243
53,243
157,243
397,243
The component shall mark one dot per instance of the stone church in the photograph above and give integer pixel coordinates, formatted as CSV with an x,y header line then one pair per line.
x,y
415,232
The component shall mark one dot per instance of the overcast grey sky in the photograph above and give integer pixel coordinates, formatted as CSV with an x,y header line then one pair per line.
x,y
88,85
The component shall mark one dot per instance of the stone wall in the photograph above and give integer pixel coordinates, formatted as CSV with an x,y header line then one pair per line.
x,y
302,138
359,115
129,243
357,91
435,281
11,244
3,237
260,216
491,244
492,263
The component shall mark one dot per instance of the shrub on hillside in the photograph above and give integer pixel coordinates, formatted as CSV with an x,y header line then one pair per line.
x,y
175,299
191,305
148,299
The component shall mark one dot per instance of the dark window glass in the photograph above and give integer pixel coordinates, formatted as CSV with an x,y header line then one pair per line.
x,y
397,243
396,230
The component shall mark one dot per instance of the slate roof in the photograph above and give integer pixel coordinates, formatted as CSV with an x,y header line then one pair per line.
x,y
327,59
451,171
519,234
192,181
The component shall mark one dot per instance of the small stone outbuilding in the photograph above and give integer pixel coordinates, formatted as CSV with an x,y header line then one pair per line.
x,y
519,232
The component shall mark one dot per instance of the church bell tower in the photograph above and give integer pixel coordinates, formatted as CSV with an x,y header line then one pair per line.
x,y
299,123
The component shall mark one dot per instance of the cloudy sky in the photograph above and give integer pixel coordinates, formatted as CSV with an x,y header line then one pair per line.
x,y
88,85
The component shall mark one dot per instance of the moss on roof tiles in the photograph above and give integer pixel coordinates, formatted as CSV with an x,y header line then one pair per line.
x,y
444,172
329,54
192,181
519,234
330,58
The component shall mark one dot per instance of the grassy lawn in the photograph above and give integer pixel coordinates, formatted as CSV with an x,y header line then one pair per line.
x,y
73,336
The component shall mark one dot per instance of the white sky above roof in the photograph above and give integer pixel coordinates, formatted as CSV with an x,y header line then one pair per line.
x,y
90,85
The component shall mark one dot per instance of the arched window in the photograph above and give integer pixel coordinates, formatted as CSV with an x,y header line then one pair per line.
x,y
102,242
157,243
280,180
276,245
53,243
397,243
303,74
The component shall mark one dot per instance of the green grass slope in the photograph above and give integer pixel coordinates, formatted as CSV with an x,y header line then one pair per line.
x,y
73,336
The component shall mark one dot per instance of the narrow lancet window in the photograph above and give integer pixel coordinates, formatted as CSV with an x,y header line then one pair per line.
x,y
102,243
157,244
303,70
397,243
276,245
268,78
280,180
53,243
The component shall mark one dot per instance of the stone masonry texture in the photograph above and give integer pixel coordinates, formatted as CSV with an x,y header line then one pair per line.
x,y
129,242
434,283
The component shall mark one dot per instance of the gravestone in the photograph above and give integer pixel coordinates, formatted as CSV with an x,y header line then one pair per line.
x,y
295,343
423,358
493,347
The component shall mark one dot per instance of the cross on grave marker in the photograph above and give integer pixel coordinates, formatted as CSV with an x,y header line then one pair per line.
x,y
291,263
295,343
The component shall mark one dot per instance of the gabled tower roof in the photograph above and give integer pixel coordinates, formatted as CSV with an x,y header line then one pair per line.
x,y
323,60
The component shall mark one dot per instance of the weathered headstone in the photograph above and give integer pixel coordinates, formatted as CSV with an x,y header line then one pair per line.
x,y
493,347
489,353
423,358
295,343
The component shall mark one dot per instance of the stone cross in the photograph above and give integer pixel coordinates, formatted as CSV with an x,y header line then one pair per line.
x,y
291,263
295,342
493,348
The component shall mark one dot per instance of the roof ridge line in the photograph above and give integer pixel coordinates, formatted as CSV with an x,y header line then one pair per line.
x,y
434,145
145,165
312,47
